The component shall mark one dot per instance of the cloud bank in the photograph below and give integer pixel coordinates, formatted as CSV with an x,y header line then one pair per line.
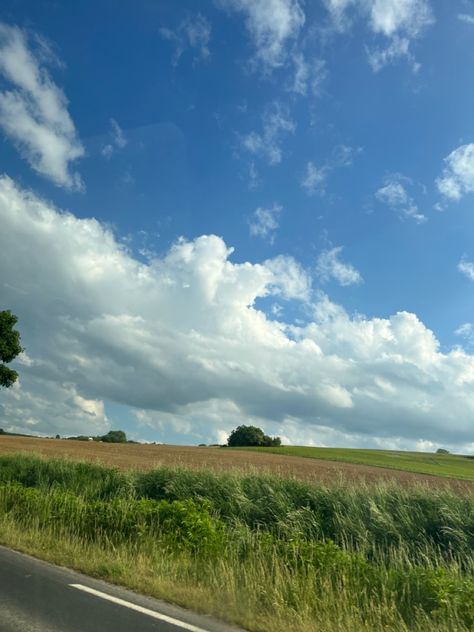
x,y
180,340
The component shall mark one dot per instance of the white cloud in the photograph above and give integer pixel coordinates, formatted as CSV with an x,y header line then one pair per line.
x,y
396,197
264,222
117,140
380,57
193,32
398,21
467,268
290,280
343,156
329,266
180,338
465,17
33,112
390,17
467,329
42,406
253,177
308,76
338,10
276,122
457,178
315,178
272,25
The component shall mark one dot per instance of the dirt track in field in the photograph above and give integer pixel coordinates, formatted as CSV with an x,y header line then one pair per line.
x,y
145,457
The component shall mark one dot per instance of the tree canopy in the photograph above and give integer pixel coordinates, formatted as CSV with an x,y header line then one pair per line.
x,y
114,436
251,436
9,347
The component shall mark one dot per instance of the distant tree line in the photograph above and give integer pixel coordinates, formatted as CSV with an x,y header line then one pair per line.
x,y
113,436
251,436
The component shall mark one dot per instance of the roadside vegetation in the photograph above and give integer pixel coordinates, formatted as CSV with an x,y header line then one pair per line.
x,y
268,553
440,463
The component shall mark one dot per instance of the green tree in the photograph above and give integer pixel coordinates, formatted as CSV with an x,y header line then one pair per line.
x,y
114,436
9,347
251,436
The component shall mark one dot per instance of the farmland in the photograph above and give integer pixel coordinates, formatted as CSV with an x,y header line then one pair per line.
x,y
255,547
270,538
324,465
445,465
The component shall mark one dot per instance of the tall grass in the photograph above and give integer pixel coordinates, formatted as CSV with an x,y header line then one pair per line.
x,y
262,551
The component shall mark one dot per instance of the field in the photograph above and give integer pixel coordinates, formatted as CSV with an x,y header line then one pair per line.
x,y
286,461
446,465
264,551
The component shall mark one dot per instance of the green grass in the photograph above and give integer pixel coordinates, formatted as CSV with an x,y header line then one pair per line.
x,y
449,465
265,552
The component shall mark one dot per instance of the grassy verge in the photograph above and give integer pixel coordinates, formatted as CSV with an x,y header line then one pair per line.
x,y
264,552
446,465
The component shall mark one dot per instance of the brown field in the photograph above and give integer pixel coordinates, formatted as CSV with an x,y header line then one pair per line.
x,y
145,457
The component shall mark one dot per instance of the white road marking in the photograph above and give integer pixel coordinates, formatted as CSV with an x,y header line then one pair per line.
x,y
141,609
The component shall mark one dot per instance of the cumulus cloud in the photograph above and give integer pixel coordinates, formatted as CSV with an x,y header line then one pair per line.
x,y
398,21
276,122
42,406
193,32
290,280
180,337
271,25
395,195
457,178
264,222
330,267
117,140
33,110
467,268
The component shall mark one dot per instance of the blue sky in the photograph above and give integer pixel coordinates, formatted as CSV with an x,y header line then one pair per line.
x,y
282,197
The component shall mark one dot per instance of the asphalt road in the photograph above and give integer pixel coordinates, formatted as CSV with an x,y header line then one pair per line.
x,y
38,597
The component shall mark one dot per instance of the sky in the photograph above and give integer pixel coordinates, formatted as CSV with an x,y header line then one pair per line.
x,y
240,211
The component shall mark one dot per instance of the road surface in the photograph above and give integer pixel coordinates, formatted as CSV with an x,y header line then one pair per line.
x,y
38,597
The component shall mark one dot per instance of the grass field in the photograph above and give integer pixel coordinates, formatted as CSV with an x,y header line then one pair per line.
x,y
266,552
446,465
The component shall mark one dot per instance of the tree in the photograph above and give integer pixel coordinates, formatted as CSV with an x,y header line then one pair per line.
x,y
442,451
9,347
251,436
114,436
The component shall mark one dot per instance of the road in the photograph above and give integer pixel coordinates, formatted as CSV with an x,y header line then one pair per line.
x,y
38,597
